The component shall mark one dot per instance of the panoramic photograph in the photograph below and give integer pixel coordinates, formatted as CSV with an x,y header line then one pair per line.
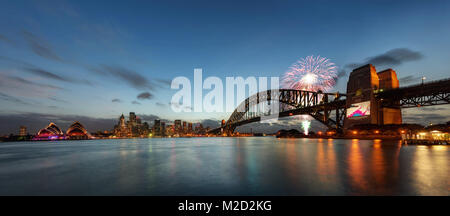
x,y
252,99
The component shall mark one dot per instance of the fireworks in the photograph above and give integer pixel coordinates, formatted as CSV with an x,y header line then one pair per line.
x,y
311,74
305,125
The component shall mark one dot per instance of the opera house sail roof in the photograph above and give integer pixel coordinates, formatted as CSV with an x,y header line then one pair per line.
x,y
77,129
50,130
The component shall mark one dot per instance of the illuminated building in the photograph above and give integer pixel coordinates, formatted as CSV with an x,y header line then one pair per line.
x,y
157,127
184,127
77,131
163,129
189,130
177,125
50,132
23,131
131,128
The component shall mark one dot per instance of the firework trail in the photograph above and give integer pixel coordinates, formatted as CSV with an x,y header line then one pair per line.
x,y
310,74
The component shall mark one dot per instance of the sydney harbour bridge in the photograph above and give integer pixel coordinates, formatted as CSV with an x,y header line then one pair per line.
x,y
378,92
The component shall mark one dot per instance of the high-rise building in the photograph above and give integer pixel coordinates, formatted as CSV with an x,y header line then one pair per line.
x,y
122,121
133,120
184,127
157,127
163,129
177,126
189,130
23,131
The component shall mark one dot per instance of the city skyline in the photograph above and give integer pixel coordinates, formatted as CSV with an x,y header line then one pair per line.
x,y
90,65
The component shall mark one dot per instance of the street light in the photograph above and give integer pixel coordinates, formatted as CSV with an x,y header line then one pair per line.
x,y
423,78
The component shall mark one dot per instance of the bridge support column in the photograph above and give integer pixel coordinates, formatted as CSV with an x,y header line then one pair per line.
x,y
362,106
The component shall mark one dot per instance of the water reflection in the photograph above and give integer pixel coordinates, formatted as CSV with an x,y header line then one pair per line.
x,y
223,166
431,169
356,169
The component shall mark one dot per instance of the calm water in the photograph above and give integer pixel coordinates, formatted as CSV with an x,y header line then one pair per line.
x,y
223,166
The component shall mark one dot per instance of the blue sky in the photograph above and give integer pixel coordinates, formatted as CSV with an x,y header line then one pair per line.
x,y
76,57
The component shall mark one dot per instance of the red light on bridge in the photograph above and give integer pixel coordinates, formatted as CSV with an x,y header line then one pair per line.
x,y
290,114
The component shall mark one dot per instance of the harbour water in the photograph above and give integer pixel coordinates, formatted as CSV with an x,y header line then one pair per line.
x,y
223,166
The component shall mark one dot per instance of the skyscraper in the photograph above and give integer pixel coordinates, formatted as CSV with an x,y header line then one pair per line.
x,y
23,131
177,126
189,130
157,128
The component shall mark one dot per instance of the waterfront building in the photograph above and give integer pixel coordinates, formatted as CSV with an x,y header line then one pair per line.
x,y
157,127
163,129
77,131
189,130
184,127
50,132
131,128
23,131
177,125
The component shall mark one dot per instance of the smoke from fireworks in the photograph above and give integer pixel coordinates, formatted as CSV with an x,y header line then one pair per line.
x,y
310,74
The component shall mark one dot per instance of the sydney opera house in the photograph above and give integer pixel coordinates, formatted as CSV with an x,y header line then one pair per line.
x,y
76,131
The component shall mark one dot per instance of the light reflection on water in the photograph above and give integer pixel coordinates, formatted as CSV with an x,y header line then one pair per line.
x,y
223,166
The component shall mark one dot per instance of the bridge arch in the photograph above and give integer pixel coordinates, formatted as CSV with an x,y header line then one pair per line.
x,y
290,102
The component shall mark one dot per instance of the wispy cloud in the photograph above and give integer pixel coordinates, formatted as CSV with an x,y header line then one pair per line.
x,y
145,96
160,104
116,100
28,82
47,74
131,77
135,102
6,40
12,99
390,58
40,47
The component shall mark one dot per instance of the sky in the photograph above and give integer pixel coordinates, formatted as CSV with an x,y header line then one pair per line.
x,y
92,61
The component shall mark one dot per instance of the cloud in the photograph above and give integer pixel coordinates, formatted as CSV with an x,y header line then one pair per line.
x,y
395,57
58,100
408,79
50,75
28,82
40,47
135,102
6,40
178,106
131,77
12,99
46,74
10,122
160,104
145,96
116,100
390,58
